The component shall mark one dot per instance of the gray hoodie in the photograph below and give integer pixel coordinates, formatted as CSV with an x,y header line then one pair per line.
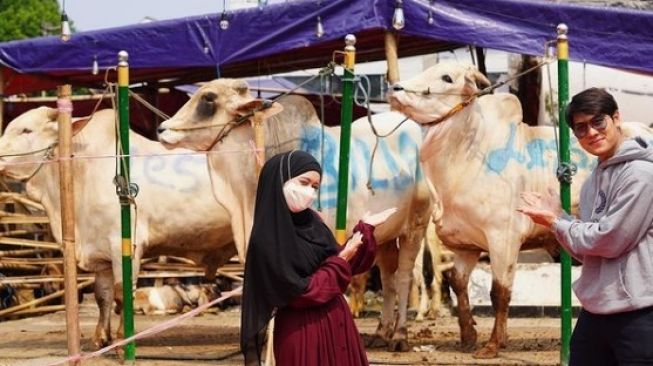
x,y
614,236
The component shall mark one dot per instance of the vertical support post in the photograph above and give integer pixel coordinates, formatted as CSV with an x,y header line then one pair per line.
x,y
345,137
392,58
2,102
565,189
125,206
67,197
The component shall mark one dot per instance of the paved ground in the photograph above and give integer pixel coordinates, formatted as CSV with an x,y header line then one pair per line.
x,y
212,339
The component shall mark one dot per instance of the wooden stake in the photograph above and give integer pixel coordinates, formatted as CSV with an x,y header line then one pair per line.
x,y
66,191
2,101
46,298
391,56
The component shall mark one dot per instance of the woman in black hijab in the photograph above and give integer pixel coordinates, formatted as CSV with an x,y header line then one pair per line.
x,y
295,270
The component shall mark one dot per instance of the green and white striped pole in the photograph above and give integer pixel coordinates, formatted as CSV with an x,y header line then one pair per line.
x,y
345,137
565,189
125,206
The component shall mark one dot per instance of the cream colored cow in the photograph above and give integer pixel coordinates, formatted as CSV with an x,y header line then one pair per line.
x,y
210,121
480,159
176,214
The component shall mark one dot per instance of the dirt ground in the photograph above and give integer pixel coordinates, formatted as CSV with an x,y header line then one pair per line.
x,y
212,339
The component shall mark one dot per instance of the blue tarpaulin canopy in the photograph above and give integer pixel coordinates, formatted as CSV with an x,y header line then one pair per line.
x,y
281,37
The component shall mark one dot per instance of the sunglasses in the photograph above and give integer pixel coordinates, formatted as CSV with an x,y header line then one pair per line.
x,y
598,123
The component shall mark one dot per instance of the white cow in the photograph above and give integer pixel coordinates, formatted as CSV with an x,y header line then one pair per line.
x,y
480,159
176,214
396,176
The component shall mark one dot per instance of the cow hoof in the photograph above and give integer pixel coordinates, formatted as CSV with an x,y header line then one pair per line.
x,y
468,340
101,340
101,343
488,351
398,345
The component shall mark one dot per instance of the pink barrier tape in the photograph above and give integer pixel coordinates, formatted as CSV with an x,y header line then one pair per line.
x,y
133,156
255,150
150,331
65,106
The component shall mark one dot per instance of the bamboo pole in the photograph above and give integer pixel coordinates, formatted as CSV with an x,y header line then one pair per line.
x,y
40,309
19,252
20,267
66,192
2,101
23,232
392,58
43,299
22,199
30,243
39,279
31,260
23,219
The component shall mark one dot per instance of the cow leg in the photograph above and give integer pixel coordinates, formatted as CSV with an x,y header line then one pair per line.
x,y
387,260
503,273
408,248
104,297
357,288
464,263
419,286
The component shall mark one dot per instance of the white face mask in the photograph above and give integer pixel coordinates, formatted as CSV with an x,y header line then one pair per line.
x,y
298,197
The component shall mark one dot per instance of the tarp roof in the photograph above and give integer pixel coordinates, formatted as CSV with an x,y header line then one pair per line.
x,y
281,37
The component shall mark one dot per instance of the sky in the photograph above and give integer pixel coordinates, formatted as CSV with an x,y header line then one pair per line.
x,y
99,14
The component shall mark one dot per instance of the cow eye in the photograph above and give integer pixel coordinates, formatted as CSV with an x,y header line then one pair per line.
x,y
26,130
447,79
209,97
207,106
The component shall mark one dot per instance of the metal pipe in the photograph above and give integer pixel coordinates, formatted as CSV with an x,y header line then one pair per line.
x,y
125,205
345,137
565,189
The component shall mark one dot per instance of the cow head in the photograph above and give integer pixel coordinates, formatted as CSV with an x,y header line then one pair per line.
x,y
432,94
25,140
199,123
28,134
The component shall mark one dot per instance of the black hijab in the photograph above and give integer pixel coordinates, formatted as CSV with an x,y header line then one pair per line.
x,y
284,250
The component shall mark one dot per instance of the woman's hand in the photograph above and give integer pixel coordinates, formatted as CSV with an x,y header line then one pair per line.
x,y
543,209
351,247
378,218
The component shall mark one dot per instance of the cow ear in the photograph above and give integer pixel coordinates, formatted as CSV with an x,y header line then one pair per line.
x,y
241,87
79,125
267,108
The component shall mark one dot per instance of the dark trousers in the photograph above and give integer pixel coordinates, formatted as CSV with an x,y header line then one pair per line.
x,y
624,339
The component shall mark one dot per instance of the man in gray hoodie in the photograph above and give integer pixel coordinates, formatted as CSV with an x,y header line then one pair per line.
x,y
613,237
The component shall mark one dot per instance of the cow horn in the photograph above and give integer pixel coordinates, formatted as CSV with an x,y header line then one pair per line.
x,y
482,81
53,114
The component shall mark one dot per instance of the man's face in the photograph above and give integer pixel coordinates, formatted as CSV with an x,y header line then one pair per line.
x,y
599,135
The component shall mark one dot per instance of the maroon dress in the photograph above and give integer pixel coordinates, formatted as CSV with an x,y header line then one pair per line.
x,y
317,327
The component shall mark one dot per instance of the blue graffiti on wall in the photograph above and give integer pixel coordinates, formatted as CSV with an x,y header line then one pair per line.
x,y
532,157
180,172
360,155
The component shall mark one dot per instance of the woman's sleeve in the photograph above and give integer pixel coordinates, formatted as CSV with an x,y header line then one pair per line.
x,y
364,257
329,281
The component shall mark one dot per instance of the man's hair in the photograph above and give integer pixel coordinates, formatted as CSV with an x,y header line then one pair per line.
x,y
593,102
